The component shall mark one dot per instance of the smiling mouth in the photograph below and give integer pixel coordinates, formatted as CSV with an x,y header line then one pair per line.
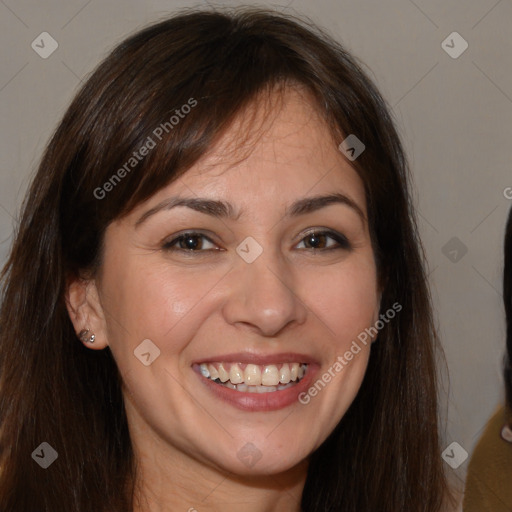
x,y
254,378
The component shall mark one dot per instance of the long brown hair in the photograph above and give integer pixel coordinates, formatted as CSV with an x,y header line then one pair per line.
x,y
384,455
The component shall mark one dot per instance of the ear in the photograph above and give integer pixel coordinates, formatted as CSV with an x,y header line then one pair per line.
x,y
85,311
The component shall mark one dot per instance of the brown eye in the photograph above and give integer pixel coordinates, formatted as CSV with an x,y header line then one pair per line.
x,y
323,240
189,242
315,241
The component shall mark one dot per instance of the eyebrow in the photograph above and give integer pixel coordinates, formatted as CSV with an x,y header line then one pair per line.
x,y
225,210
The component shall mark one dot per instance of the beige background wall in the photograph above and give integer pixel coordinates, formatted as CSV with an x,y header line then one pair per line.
x,y
455,117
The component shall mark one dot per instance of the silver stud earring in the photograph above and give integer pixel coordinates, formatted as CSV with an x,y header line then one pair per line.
x,y
86,337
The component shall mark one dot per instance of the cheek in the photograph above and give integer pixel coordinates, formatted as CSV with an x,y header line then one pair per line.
x,y
146,300
166,306
345,300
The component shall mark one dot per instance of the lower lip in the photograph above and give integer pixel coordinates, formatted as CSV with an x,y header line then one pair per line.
x,y
270,401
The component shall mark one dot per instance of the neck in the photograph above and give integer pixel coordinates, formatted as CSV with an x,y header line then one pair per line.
x,y
168,479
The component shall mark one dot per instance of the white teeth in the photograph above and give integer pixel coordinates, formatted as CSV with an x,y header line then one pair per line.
x,y
243,387
294,371
223,374
235,374
260,389
214,373
284,374
204,370
270,375
252,375
265,389
254,378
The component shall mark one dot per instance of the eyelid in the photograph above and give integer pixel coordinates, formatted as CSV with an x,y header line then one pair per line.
x,y
168,242
342,241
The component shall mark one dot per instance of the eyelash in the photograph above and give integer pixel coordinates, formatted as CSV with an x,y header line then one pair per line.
x,y
343,243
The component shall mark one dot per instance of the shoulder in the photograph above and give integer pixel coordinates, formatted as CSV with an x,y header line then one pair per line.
x,y
488,482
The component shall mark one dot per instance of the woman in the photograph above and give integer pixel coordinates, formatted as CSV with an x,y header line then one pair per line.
x,y
488,482
208,303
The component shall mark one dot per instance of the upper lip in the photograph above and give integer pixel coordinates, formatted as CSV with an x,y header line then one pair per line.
x,y
258,358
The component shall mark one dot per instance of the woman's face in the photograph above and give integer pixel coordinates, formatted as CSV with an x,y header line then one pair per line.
x,y
256,277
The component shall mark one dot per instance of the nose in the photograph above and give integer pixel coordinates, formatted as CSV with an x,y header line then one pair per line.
x,y
263,296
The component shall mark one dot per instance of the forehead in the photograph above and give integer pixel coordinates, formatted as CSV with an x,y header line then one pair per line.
x,y
279,148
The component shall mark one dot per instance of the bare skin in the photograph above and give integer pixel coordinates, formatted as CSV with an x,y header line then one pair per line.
x,y
307,295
